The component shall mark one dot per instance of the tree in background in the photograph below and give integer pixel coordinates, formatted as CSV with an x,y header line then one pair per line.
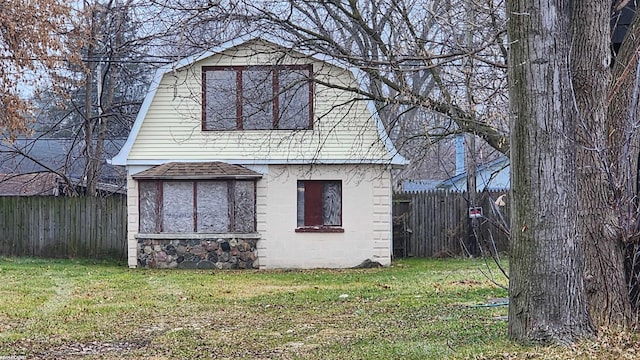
x,y
105,88
412,57
32,52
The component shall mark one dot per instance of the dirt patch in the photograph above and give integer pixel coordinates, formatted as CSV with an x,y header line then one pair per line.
x,y
92,348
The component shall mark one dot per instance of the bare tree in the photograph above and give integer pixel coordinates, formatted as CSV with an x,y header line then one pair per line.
x,y
409,55
106,88
575,181
599,213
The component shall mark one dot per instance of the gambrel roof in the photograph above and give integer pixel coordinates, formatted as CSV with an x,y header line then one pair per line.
x,y
336,148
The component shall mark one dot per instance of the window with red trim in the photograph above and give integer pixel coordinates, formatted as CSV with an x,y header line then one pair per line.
x,y
203,206
257,97
319,204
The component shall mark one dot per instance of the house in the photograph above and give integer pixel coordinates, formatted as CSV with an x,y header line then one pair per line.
x,y
53,167
32,184
492,176
253,155
411,186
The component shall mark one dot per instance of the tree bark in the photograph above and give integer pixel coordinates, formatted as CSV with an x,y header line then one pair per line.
x,y
91,163
103,18
623,144
604,257
546,289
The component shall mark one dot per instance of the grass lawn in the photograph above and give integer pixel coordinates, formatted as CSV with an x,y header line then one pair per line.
x,y
415,309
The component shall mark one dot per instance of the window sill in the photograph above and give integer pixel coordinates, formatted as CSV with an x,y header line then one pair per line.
x,y
179,236
256,130
319,229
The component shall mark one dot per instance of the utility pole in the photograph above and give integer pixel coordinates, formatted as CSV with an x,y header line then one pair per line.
x,y
470,139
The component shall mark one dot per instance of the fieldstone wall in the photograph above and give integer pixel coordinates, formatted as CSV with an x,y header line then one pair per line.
x,y
198,253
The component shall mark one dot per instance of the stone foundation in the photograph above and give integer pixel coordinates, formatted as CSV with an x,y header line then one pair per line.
x,y
228,253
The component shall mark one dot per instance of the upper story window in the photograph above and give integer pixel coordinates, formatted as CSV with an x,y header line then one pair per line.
x,y
257,97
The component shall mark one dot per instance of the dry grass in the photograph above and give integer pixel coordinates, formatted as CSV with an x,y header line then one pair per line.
x,y
609,345
416,309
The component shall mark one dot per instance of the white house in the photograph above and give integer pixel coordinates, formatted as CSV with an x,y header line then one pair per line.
x,y
255,156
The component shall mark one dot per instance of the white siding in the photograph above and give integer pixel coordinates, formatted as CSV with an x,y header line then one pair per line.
x,y
366,218
343,129
132,222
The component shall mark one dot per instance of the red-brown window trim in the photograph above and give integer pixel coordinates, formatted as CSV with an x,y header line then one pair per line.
x,y
195,206
275,84
319,229
239,89
313,209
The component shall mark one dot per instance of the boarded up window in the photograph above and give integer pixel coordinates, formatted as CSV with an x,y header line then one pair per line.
x,y
149,209
245,205
294,104
177,207
213,207
257,97
300,199
331,203
197,206
220,105
319,203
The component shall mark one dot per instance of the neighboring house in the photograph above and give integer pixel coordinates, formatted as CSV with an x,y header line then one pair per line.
x,y
419,185
491,176
42,166
254,156
34,184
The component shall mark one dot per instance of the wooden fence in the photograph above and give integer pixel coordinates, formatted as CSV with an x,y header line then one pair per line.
x,y
48,226
437,224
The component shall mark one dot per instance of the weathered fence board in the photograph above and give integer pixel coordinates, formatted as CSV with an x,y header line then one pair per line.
x,y
47,226
437,224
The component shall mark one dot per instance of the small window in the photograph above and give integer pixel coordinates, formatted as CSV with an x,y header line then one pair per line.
x,y
319,205
257,97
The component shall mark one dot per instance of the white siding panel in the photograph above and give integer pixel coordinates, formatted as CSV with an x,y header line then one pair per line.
x,y
343,129
366,234
132,220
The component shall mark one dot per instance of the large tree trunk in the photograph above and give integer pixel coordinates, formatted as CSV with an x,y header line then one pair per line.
x,y
623,122
546,288
604,257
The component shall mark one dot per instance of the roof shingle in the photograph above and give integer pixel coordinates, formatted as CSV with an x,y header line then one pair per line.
x,y
197,170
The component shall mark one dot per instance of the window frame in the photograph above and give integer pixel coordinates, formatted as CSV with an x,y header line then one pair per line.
x,y
275,102
304,228
231,205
